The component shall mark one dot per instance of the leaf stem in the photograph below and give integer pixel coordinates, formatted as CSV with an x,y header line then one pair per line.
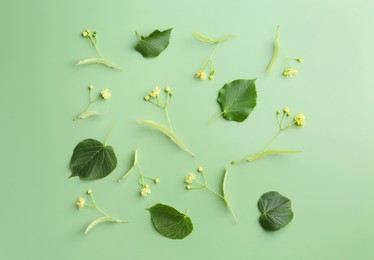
x,y
168,118
110,132
214,118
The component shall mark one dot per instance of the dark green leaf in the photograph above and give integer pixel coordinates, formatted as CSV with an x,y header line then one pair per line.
x,y
92,160
276,211
169,222
155,43
237,99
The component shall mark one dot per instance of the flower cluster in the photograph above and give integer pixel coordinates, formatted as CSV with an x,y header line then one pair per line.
x,y
145,190
105,94
298,120
192,182
82,203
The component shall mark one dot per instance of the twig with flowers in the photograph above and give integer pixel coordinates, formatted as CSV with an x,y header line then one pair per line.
x,y
298,120
154,98
104,95
191,178
81,203
101,60
201,74
145,189
288,71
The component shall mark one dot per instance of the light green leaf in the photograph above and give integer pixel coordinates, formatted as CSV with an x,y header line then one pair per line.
x,y
237,99
102,220
166,131
169,222
87,114
204,38
265,153
152,45
225,197
275,54
92,160
276,211
132,167
100,61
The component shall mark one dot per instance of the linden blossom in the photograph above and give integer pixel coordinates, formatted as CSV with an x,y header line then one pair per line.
x,y
298,120
201,74
154,98
104,94
101,60
106,218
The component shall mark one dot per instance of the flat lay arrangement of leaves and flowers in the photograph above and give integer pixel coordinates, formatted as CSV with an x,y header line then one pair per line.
x,y
93,160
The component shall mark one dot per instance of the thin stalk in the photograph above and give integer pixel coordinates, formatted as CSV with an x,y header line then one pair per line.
x,y
168,118
214,118
110,132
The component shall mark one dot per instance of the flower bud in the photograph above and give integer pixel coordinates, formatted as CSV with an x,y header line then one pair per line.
x,y
286,110
278,112
167,89
146,98
89,192
299,60
200,169
90,87
188,187
156,181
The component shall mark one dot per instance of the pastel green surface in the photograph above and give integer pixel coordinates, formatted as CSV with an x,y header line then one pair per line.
x,y
330,184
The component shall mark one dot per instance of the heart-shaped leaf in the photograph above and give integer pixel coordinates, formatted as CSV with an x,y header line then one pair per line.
x,y
169,222
152,45
237,99
276,211
92,160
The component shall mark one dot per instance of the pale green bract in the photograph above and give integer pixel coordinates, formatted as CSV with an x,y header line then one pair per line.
x,y
92,160
265,153
225,197
100,61
166,131
204,38
152,45
102,220
132,167
87,114
275,54
237,99
276,211
169,222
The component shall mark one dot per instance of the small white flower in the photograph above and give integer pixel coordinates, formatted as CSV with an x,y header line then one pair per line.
x,y
190,178
156,91
80,203
105,93
144,192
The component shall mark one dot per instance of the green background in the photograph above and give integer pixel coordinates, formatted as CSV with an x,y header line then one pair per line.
x,y
330,183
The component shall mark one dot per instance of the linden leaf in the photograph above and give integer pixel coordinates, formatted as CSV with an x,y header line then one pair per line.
x,y
166,131
102,220
92,160
152,45
169,222
276,211
237,99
